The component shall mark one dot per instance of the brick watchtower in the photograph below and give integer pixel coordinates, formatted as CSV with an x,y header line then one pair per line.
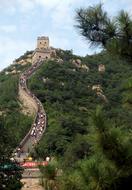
x,y
43,50
43,43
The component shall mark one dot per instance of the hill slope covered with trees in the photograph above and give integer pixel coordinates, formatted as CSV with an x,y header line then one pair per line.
x,y
73,135
14,124
89,112
76,135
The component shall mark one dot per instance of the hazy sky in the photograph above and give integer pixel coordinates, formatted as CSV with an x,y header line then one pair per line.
x,y
21,21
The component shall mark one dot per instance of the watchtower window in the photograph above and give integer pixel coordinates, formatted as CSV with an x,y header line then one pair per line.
x,y
40,42
39,56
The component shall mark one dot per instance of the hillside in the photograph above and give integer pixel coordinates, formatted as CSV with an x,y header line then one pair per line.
x,y
71,88
68,98
11,116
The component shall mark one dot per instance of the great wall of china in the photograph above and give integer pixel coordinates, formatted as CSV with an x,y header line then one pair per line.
x,y
35,108
30,101
37,129
28,104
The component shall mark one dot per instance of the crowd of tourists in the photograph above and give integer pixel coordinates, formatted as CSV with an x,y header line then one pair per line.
x,y
39,123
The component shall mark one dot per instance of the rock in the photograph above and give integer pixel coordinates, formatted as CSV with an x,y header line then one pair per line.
x,y
78,61
85,67
101,68
62,83
45,79
73,62
53,53
29,56
6,73
60,60
29,60
102,96
97,88
21,61
13,72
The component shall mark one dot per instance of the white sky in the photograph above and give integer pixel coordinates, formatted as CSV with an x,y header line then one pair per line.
x,y
21,21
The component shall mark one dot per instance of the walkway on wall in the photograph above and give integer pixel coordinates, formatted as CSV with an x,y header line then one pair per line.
x,y
39,124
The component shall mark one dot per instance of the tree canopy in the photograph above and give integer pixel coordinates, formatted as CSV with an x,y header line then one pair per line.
x,y
113,34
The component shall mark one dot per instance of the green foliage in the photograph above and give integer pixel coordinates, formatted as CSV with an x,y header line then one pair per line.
x,y
111,155
115,35
9,179
65,55
17,125
94,24
49,176
24,56
127,94
8,90
68,122
49,171
108,165
78,149
93,155
68,106
72,181
13,127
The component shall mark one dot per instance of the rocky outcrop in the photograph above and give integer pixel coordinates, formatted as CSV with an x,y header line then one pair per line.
x,y
78,63
99,91
101,68
24,59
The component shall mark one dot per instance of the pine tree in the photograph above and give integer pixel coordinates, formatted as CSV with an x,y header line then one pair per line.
x,y
10,173
109,166
115,35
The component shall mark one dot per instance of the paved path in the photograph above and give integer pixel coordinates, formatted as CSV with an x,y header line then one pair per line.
x,y
31,173
31,184
39,125
31,177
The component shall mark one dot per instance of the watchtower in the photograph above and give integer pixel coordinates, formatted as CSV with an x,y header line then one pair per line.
x,y
43,42
43,51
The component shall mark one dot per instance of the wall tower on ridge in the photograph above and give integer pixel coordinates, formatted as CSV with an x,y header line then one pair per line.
x,y
43,50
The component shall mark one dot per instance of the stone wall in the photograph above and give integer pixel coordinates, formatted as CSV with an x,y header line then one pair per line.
x,y
43,50
40,55
29,105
